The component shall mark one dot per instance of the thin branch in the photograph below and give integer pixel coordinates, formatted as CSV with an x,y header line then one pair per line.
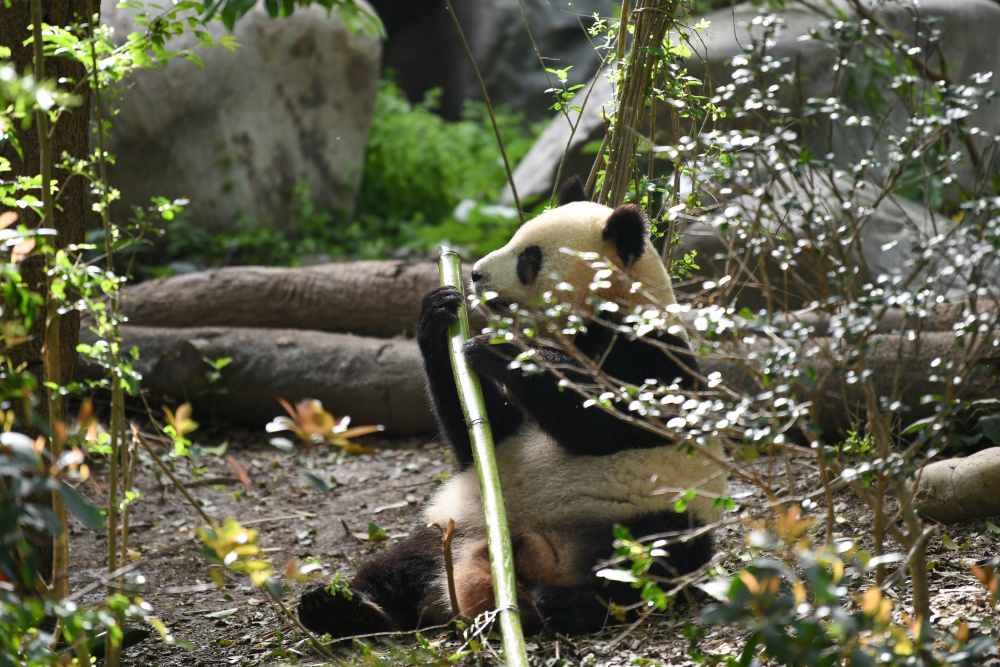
x,y
449,569
176,482
489,108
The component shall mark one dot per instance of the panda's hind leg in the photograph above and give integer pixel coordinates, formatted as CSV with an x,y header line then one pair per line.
x,y
390,591
582,608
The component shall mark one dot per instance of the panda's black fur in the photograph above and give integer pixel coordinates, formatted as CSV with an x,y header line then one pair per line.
x,y
569,473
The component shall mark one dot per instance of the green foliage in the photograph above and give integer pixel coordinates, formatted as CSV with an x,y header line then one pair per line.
x,y
857,445
418,167
563,94
233,548
35,468
355,16
28,474
809,606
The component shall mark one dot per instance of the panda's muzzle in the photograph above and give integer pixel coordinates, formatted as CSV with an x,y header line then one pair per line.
x,y
480,287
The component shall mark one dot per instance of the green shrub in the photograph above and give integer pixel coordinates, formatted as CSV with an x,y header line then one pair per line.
x,y
418,166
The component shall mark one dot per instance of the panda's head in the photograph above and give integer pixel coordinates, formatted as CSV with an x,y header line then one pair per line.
x,y
534,261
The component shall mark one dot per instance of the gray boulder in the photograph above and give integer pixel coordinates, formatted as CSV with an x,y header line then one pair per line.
x,y
816,221
424,50
967,47
292,104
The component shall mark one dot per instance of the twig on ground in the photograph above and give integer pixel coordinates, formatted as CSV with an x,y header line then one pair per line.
x,y
449,568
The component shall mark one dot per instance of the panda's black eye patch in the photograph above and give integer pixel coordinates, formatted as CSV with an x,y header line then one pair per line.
x,y
529,263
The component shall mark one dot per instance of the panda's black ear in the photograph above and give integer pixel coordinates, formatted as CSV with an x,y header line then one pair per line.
x,y
572,190
628,228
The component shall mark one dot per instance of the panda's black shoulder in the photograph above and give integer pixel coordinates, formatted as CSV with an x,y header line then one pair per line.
x,y
658,355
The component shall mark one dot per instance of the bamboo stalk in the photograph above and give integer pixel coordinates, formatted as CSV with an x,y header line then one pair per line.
x,y
118,448
51,353
498,535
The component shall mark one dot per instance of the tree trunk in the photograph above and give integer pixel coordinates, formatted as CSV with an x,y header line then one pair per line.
x,y
70,135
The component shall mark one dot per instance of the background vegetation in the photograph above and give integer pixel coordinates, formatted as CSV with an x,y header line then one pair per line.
x,y
790,218
419,169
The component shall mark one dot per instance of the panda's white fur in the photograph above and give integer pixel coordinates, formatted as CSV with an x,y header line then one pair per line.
x,y
545,484
563,488
548,491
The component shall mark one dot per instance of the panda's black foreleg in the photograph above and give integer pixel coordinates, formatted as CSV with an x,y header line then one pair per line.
x,y
440,308
558,410
389,592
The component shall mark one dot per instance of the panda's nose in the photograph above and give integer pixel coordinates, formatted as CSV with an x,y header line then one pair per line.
x,y
477,275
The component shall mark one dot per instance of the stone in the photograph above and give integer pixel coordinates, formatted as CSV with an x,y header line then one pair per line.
x,y
424,50
293,104
959,489
967,47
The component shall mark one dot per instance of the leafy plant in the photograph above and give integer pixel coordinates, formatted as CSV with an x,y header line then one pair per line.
x,y
46,283
808,328
815,606
315,426
419,166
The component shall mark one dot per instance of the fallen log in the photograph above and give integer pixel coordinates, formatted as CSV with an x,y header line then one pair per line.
x,y
382,298
373,380
366,298
379,381
899,368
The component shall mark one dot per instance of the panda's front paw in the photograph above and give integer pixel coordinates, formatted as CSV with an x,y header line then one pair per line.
x,y
440,308
341,614
489,360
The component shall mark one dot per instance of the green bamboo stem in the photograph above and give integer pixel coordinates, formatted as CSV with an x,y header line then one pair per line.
x,y
51,352
498,535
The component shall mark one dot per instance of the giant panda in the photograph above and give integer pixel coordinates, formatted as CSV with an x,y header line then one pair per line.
x,y
569,473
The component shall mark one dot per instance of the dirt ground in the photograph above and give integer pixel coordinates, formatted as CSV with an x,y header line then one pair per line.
x,y
235,625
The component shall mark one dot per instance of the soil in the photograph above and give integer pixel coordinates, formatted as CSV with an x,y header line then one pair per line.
x,y
235,625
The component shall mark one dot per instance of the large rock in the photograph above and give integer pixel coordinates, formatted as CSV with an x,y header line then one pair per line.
x,y
293,104
959,489
424,51
815,221
967,47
